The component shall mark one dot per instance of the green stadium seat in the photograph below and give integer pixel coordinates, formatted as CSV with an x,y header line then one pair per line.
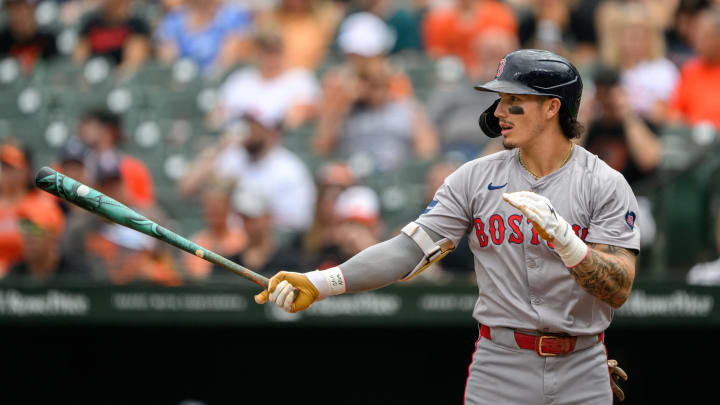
x,y
30,130
11,77
174,104
63,74
684,212
151,74
9,102
421,71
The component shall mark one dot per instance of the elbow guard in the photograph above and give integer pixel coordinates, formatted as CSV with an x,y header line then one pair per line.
x,y
432,251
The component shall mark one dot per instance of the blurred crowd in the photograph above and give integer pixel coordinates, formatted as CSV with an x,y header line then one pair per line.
x,y
345,73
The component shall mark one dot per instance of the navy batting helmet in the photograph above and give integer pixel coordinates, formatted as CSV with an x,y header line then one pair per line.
x,y
533,71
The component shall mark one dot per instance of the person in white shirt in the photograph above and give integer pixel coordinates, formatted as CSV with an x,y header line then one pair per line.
x,y
269,88
634,44
257,162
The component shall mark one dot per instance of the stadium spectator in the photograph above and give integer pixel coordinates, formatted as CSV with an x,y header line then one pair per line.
x,y
224,233
451,28
258,163
679,30
584,32
79,223
42,256
318,244
708,273
211,33
625,141
101,131
453,104
363,111
546,25
307,28
22,39
365,41
405,19
270,88
17,195
119,254
115,34
700,76
617,134
71,160
634,44
263,253
359,226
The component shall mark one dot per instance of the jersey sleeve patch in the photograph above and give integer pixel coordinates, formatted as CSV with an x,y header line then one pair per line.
x,y
630,218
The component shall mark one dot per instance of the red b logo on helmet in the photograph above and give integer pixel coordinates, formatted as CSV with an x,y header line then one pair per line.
x,y
500,67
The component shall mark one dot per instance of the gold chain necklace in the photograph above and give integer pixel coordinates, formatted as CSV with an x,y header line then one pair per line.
x,y
572,145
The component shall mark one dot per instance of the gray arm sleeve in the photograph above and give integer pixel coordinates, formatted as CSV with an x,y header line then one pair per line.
x,y
384,263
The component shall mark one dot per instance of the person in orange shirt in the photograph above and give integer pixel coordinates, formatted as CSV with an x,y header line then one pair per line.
x,y
450,30
102,132
41,224
695,99
306,27
22,39
16,195
224,234
122,255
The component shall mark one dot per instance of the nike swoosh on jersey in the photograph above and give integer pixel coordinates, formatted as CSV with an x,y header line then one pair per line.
x,y
491,187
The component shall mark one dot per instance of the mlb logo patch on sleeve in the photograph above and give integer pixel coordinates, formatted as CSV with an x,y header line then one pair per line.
x,y
430,206
630,218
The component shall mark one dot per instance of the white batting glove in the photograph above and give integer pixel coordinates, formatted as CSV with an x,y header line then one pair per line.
x,y
551,226
283,295
295,292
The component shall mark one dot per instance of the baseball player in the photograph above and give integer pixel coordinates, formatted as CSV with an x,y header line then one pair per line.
x,y
554,233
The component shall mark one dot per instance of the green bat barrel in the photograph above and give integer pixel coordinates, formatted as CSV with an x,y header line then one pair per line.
x,y
98,203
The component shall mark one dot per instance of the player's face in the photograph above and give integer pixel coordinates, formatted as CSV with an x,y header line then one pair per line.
x,y
520,117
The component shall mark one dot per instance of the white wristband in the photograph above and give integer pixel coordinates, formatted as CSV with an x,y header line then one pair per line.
x,y
328,282
570,247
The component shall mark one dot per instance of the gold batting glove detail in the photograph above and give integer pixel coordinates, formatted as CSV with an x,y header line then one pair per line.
x,y
539,211
542,232
305,292
549,225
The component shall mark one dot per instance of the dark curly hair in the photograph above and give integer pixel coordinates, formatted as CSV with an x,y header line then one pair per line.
x,y
570,126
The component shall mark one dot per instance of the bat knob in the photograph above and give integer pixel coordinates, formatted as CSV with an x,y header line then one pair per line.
x,y
42,174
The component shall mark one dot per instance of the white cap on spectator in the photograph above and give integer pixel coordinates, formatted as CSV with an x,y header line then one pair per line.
x,y
250,204
365,34
358,203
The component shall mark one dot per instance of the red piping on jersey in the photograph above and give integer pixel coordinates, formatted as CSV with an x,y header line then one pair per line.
x,y
343,276
602,340
470,365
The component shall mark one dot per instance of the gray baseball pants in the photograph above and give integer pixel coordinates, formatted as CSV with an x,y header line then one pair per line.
x,y
503,373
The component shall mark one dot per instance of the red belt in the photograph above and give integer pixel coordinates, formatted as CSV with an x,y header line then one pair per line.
x,y
543,345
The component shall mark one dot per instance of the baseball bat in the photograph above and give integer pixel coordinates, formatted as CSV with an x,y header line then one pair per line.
x,y
98,203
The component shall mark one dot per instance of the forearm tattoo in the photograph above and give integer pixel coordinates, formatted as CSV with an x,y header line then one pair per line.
x,y
607,273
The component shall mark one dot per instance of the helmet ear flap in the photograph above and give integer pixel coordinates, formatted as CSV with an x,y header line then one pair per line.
x,y
489,123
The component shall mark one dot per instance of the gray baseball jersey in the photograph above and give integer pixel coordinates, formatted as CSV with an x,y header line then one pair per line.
x,y
522,282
